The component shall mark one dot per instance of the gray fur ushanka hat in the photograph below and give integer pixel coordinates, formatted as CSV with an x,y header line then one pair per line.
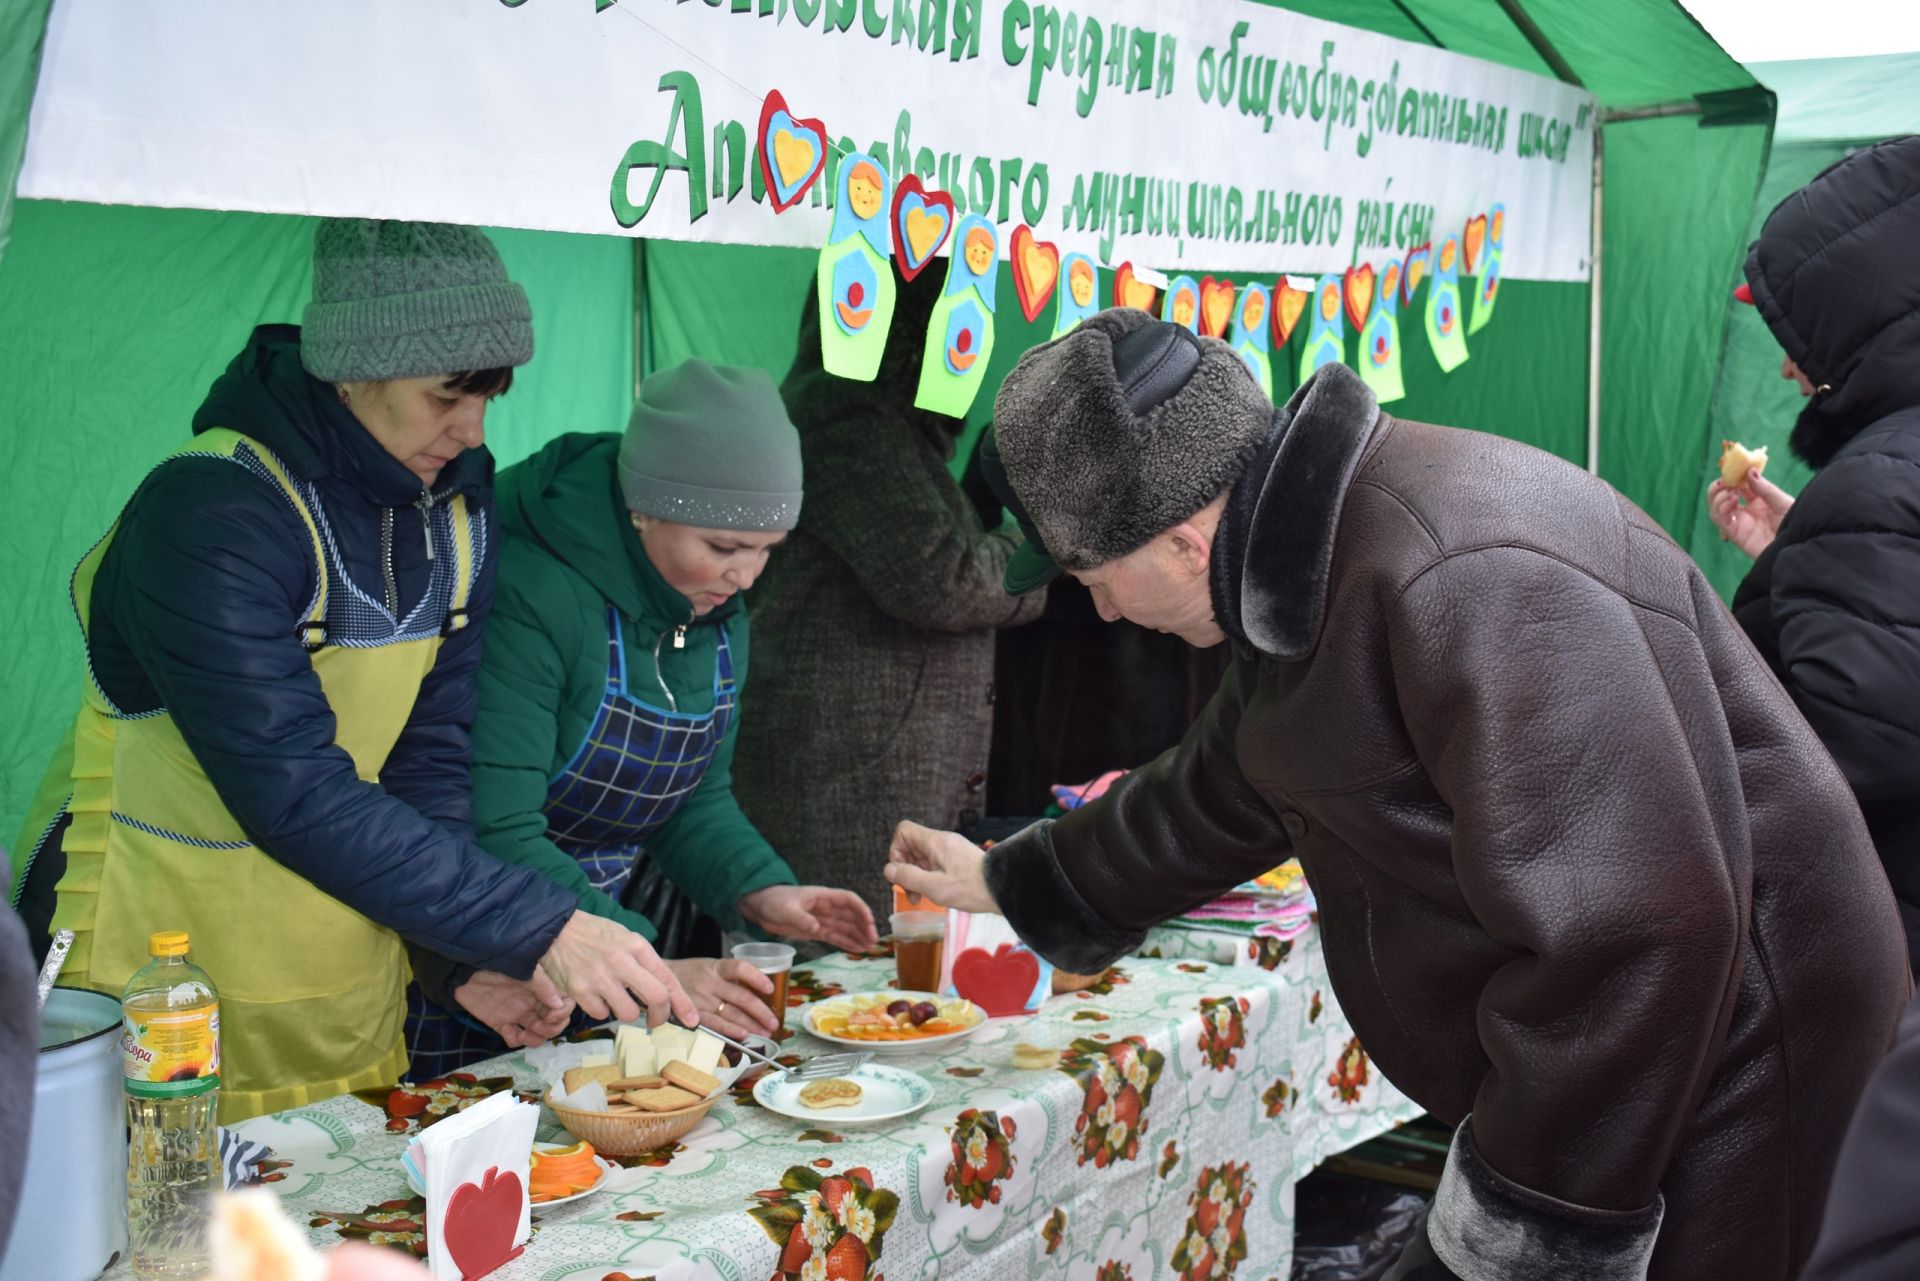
x,y
1116,433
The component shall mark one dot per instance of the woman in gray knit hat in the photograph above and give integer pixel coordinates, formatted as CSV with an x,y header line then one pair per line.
x,y
610,693
282,632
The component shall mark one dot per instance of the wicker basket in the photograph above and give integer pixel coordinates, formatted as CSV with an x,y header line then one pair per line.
x,y
630,1134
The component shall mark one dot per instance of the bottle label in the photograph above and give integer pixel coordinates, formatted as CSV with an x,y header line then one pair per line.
x,y
170,1053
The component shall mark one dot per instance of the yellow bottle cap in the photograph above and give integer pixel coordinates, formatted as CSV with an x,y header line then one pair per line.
x,y
167,943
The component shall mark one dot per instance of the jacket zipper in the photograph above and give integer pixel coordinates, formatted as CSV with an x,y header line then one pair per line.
x,y
386,561
679,642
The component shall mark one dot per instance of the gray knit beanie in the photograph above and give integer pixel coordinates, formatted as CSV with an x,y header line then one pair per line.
x,y
712,446
410,300
1119,431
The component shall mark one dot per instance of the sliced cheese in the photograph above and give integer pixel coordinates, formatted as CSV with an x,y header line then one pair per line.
x,y
705,1054
597,1060
670,1043
635,1051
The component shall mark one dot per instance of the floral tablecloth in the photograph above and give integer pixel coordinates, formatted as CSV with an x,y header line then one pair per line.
x,y
1192,1096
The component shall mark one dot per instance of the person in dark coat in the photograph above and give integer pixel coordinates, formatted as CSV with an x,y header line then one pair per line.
x,y
1833,599
873,629
1588,887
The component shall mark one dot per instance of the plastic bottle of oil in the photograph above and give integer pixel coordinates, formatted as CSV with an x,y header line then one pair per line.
x,y
170,1043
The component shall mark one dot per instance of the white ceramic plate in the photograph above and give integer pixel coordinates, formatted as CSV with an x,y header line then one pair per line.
x,y
809,1018
606,1171
886,1094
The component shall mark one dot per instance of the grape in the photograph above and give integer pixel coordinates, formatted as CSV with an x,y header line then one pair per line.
x,y
900,1007
921,1012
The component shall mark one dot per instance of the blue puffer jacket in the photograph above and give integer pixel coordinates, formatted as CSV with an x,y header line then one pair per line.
x,y
193,611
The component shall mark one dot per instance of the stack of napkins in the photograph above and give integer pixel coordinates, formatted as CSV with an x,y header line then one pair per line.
x,y
475,1167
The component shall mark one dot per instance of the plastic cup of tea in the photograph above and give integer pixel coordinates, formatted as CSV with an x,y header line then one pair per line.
x,y
919,938
774,960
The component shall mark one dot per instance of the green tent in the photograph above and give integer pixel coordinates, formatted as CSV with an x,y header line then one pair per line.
x,y
1828,106
119,317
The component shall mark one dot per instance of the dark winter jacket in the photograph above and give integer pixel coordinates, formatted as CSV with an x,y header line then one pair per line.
x,y
1584,873
194,609
872,693
1833,604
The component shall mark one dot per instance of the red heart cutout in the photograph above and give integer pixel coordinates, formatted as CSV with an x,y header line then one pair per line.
x,y
999,984
902,246
481,1221
1359,291
776,101
1476,241
1036,271
1216,306
1288,303
1129,292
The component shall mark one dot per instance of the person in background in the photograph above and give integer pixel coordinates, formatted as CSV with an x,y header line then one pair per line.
x,y
875,624
282,632
1833,599
1588,887
610,694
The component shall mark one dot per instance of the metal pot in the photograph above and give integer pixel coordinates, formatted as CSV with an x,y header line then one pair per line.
x,y
72,1221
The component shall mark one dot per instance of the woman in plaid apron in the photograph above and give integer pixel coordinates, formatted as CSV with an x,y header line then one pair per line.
x,y
609,701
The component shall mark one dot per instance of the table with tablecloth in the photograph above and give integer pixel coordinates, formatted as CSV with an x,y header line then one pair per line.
x,y
1191,1098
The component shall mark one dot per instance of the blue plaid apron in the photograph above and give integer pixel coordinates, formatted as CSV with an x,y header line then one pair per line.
x,y
631,774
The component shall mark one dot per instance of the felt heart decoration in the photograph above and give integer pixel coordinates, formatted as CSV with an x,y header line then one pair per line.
x,y
1288,303
1129,291
922,221
1476,238
1359,290
1497,228
1449,253
1036,270
481,1221
999,983
1416,271
793,152
1389,281
1216,306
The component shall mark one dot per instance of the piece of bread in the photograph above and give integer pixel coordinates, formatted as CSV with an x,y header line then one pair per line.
x,y
834,1092
1739,465
252,1237
1036,1058
601,1073
689,1077
667,1099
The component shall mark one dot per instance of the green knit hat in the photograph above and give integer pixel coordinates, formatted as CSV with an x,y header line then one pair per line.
x,y
712,446
410,300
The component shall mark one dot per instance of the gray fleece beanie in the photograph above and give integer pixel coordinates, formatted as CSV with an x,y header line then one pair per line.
x,y
712,446
410,300
1119,431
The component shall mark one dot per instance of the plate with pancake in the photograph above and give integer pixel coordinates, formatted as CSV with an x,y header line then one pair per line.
x,y
870,1093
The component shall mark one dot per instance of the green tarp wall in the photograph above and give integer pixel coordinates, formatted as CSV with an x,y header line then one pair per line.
x,y
116,319
1828,106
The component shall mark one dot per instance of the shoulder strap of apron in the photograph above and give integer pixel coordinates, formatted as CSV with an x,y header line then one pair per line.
x,y
466,563
224,442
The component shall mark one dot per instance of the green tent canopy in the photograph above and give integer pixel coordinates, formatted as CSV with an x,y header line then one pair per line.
x,y
119,317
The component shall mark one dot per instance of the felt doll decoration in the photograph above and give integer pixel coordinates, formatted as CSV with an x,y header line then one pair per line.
x,y
1326,331
1250,335
1081,297
960,333
855,279
1379,356
1446,328
1182,305
1487,262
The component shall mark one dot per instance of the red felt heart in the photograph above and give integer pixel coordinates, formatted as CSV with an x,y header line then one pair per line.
x,y
913,255
1036,270
999,983
1476,241
1288,303
776,102
481,1221
1359,291
1129,291
1216,306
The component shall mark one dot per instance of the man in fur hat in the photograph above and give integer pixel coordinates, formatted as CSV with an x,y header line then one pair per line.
x,y
1589,887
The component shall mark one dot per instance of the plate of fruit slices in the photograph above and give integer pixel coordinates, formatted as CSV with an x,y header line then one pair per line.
x,y
571,1172
890,1022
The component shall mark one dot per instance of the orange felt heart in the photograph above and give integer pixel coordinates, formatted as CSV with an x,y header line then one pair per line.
x,y
1476,240
1036,270
1288,304
1129,291
1216,306
1416,271
1359,290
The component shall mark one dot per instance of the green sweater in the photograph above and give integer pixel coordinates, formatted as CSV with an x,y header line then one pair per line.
x,y
568,550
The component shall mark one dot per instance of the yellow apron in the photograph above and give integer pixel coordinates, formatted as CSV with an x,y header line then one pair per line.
x,y
313,994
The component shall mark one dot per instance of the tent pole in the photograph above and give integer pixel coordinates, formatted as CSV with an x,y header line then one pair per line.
x,y
1593,292
1538,39
639,312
